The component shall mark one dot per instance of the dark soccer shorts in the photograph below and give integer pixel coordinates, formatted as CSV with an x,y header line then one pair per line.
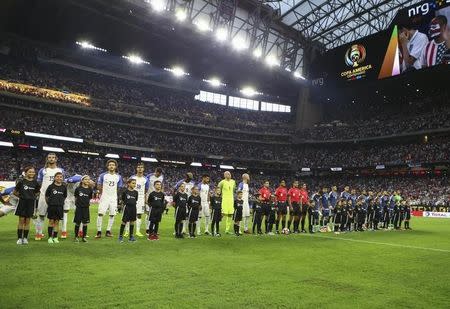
x,y
216,215
81,215
55,212
155,214
129,214
237,215
25,209
295,209
193,215
282,208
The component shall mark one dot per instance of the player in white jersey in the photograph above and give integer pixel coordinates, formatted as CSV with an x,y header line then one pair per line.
x,y
72,183
45,177
152,177
142,185
203,187
188,185
108,185
244,187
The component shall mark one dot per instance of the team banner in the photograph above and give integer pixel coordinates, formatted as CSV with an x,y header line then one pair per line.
x,y
431,214
418,38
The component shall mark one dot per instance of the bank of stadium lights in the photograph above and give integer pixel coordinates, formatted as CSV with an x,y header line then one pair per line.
x,y
6,144
239,44
202,25
298,75
147,159
272,61
157,5
135,59
177,71
221,34
257,53
180,15
112,156
87,45
52,149
198,164
250,92
215,82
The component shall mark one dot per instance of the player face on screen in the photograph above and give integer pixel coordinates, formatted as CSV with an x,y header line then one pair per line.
x,y
157,185
111,166
295,184
51,159
266,184
140,169
283,183
58,178
30,172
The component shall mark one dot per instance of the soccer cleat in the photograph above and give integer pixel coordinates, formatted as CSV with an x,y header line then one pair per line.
x,y
156,237
270,233
50,240
207,233
139,234
124,234
120,239
19,241
108,234
132,239
63,235
247,232
55,240
99,235
24,241
76,239
84,239
38,237
147,232
218,235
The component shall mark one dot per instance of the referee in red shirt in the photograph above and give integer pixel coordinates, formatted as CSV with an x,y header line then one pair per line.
x,y
304,201
282,194
265,194
294,197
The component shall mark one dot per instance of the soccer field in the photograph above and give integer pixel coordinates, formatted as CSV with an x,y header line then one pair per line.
x,y
403,269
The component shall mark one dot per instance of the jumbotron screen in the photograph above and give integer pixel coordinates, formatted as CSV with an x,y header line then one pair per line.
x,y
418,38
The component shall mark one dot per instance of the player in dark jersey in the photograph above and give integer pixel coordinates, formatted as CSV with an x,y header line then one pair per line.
x,y
237,214
272,206
257,215
156,204
83,195
338,216
402,213
194,207
55,195
180,203
407,215
313,212
215,204
27,190
326,211
129,199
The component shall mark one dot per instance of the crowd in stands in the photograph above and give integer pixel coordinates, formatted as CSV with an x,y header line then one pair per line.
x,y
422,190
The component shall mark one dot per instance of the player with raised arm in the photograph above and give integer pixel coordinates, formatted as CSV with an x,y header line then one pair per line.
x,y
244,187
108,185
204,211
227,187
45,177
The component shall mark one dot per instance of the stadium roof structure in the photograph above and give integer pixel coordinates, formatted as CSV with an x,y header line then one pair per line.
x,y
336,22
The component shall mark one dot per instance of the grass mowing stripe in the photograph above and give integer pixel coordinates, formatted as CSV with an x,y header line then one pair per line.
x,y
379,243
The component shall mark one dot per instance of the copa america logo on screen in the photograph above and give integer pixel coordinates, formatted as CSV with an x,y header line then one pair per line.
x,y
355,55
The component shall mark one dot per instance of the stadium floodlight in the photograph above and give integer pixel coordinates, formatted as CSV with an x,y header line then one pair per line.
x,y
177,71
87,45
222,34
202,25
249,91
135,59
241,168
146,159
239,43
158,5
272,61
196,164
298,75
112,156
52,149
180,15
57,137
226,167
83,152
215,82
6,144
287,69
257,53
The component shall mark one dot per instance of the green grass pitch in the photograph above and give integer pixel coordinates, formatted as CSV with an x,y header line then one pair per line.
x,y
356,270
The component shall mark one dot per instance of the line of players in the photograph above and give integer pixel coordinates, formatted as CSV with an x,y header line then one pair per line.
x,y
326,211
